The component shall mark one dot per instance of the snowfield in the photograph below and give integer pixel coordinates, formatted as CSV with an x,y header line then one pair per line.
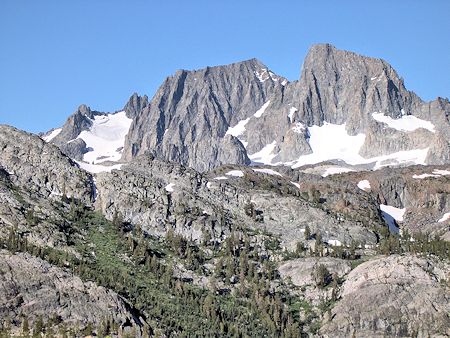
x,y
52,135
405,123
445,217
265,155
390,215
238,129
106,137
235,173
331,141
336,170
97,168
436,173
364,185
261,110
267,171
169,187
291,113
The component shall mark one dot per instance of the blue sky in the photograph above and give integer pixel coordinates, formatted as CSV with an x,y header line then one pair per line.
x,y
56,55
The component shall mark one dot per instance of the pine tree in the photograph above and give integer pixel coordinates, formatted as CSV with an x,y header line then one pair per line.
x,y
307,232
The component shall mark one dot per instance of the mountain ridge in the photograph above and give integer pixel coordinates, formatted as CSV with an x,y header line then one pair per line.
x,y
243,112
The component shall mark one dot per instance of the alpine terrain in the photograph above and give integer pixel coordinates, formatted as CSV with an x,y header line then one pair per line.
x,y
234,203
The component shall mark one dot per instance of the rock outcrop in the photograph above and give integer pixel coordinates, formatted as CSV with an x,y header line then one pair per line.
x,y
395,296
40,167
159,196
32,288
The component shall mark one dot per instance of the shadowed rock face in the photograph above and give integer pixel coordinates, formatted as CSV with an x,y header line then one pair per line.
x,y
189,115
395,296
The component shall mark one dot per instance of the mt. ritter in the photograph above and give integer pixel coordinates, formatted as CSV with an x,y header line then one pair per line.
x,y
234,203
344,106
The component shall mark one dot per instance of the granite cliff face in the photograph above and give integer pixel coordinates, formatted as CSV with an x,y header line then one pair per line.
x,y
192,112
396,296
187,119
243,112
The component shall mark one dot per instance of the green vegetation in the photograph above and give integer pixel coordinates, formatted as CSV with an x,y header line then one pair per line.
x,y
418,243
240,303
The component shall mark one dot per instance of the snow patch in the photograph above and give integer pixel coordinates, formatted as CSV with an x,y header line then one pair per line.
x,y
235,173
220,178
97,168
336,170
441,172
105,137
436,173
445,217
169,187
422,176
405,123
364,185
292,111
390,215
331,141
264,74
52,135
299,128
261,110
416,156
296,184
238,129
334,242
268,171
265,155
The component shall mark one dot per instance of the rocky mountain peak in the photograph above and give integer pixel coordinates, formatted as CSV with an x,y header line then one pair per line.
x,y
243,112
191,112
135,104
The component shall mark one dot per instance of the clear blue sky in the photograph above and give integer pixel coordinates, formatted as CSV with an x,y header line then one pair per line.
x,y
58,54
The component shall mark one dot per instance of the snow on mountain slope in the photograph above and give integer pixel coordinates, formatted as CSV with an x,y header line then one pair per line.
x,y
390,215
261,110
106,137
267,171
331,141
336,170
238,129
265,155
405,123
364,185
97,168
445,217
52,135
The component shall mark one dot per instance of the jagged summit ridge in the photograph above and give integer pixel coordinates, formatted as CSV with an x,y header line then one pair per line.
x,y
243,112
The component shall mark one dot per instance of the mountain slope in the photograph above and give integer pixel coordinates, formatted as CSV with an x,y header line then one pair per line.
x,y
344,107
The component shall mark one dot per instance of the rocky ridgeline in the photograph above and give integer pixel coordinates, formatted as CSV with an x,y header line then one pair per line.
x,y
225,114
